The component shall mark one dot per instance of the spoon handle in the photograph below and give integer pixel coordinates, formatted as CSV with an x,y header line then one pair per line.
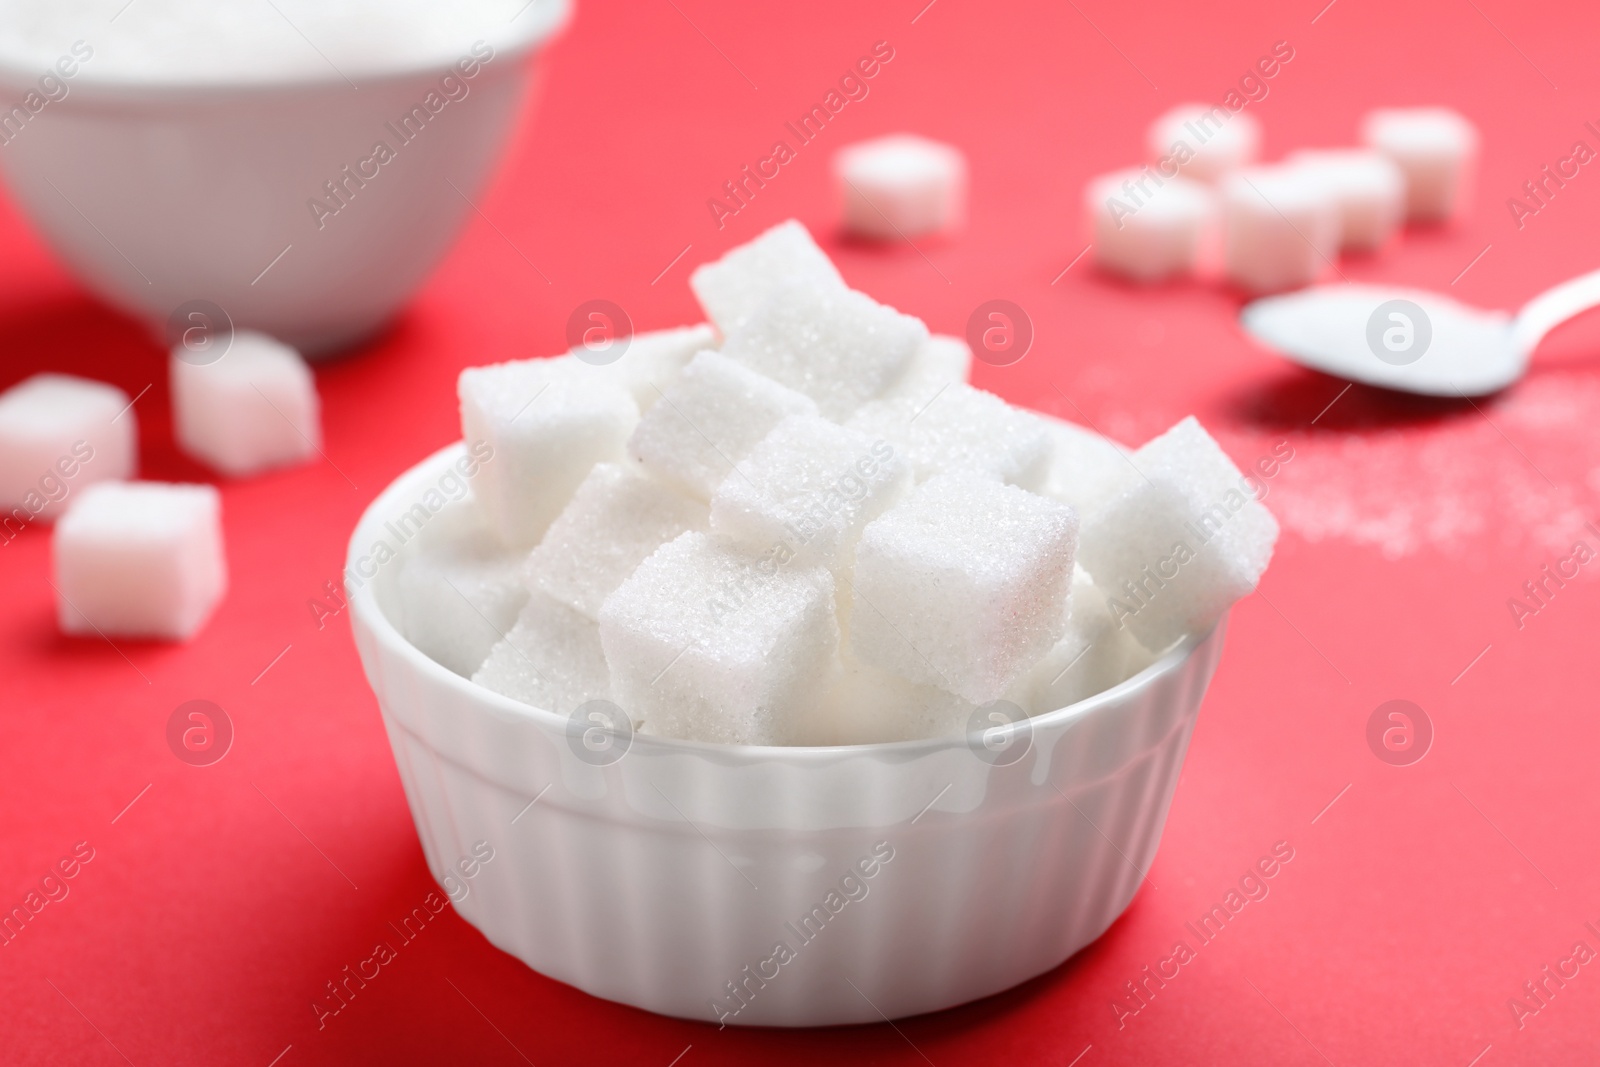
x,y
1553,307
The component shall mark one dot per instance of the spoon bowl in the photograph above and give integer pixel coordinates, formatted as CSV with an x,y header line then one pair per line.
x,y
1412,340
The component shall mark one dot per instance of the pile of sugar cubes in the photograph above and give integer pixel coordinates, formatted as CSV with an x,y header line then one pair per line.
x,y
798,524
1203,201
141,558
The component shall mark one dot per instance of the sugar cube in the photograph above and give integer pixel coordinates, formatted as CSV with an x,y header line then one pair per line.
x,y
837,346
550,659
617,517
1148,227
1204,141
963,585
253,409
709,420
1180,543
654,359
731,289
811,485
1086,469
140,559
1368,187
59,434
548,422
712,644
1092,656
865,705
1280,228
1436,148
901,186
962,428
459,588
941,361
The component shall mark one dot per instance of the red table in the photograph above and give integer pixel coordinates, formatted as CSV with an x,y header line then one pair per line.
x,y
1419,900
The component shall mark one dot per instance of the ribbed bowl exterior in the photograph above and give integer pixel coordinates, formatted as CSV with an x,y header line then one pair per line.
x,y
897,879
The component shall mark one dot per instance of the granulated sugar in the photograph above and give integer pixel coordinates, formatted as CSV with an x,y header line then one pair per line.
x,y
231,41
1522,471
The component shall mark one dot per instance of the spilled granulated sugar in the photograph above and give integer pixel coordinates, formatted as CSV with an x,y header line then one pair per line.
x,y
1520,470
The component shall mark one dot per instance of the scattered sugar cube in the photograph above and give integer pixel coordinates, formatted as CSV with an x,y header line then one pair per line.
x,y
837,346
712,644
1181,543
1086,469
811,485
735,286
962,428
1204,141
1369,188
901,186
941,361
60,434
617,517
1091,657
1436,148
548,421
550,659
709,420
459,588
1148,227
1280,228
653,360
963,585
865,705
140,559
252,410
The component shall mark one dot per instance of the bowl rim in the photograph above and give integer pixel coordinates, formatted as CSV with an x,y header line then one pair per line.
x,y
550,17
366,612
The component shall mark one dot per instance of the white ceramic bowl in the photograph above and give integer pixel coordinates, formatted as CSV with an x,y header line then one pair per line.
x,y
158,195
658,879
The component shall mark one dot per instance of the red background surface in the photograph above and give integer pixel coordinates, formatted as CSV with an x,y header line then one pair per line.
x,y
1415,906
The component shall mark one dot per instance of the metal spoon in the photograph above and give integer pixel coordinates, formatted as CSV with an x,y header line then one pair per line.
x,y
1411,340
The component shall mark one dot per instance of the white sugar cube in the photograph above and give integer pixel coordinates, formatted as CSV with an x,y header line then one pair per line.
x,y
1180,543
1436,148
709,420
901,186
1368,187
1203,141
731,289
865,705
941,361
1092,656
811,485
837,346
551,659
459,588
617,517
253,409
1086,469
712,644
60,435
963,585
1148,227
653,360
962,429
1280,228
140,559
548,422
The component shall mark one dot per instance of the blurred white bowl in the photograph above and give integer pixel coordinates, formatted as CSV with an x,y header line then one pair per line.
x,y
158,195
658,878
